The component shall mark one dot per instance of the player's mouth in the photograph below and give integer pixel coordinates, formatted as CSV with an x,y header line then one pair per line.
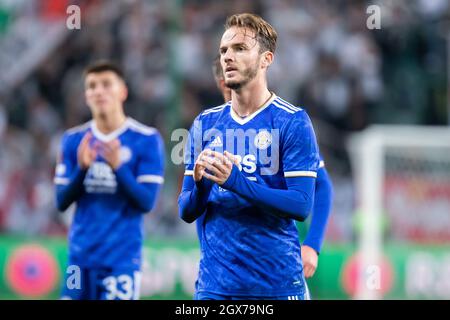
x,y
229,70
101,101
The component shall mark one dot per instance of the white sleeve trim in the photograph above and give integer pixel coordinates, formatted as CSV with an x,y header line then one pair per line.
x,y
291,174
62,181
321,164
149,178
189,172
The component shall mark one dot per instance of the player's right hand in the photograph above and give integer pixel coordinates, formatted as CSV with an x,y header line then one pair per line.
x,y
85,154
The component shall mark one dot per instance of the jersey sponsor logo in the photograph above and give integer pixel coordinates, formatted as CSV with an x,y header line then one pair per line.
x,y
263,143
100,179
259,146
247,163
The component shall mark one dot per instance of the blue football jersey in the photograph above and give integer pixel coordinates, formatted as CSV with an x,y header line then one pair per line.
x,y
107,230
246,250
199,221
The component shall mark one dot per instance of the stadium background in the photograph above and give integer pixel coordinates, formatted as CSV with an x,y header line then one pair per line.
x,y
346,76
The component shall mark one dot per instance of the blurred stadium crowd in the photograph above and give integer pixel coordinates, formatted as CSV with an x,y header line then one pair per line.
x,y
327,61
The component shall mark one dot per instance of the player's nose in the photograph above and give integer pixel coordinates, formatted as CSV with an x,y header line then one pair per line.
x,y
99,90
228,56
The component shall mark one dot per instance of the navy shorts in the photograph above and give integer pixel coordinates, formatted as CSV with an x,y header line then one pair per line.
x,y
101,284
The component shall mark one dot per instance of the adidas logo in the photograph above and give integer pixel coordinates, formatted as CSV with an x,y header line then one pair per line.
x,y
217,142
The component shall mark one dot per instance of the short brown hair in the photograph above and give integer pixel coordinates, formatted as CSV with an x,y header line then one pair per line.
x,y
265,33
102,66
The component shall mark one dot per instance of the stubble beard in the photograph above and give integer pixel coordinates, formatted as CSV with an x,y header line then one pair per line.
x,y
248,75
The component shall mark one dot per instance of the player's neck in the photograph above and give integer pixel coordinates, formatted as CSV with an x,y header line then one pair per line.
x,y
248,100
107,124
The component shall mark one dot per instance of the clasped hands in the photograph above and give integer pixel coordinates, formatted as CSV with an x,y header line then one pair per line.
x,y
87,152
214,166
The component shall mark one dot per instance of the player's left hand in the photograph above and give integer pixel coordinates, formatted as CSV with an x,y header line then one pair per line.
x,y
310,260
110,151
218,165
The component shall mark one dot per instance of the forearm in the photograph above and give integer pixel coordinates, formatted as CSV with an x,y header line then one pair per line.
x,y
295,203
68,193
142,195
321,211
193,198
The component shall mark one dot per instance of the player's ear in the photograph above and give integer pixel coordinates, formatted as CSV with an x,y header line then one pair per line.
x,y
124,92
267,59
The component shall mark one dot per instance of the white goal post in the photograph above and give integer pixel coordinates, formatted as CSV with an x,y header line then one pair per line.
x,y
421,153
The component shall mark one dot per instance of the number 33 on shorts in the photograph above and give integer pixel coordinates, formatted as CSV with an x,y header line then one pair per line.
x,y
121,287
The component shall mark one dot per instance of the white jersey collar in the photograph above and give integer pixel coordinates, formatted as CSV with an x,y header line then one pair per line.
x,y
243,121
112,135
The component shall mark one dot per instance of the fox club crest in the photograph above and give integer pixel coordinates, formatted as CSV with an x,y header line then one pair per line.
x,y
263,140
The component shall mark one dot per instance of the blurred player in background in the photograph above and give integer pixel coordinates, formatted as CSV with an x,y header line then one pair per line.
x,y
220,79
249,239
323,199
112,169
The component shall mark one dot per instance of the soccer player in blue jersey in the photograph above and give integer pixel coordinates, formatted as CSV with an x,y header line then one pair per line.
x,y
112,169
312,244
251,166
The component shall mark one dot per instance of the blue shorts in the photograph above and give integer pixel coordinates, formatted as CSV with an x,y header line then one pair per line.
x,y
101,284
214,296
